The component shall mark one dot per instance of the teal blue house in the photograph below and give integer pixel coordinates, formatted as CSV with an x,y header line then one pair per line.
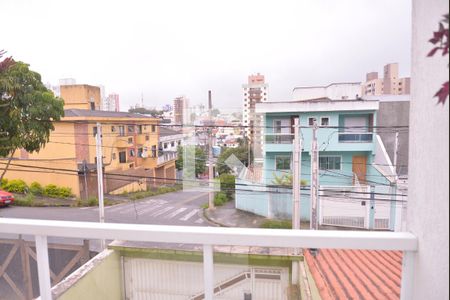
x,y
351,156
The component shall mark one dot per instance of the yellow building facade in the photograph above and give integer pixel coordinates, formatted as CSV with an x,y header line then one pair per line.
x,y
131,157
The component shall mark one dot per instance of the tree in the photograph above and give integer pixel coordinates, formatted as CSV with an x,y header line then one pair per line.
x,y
28,110
215,112
240,152
200,159
145,111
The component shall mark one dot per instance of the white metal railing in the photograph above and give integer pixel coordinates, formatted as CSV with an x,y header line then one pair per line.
x,y
208,237
166,157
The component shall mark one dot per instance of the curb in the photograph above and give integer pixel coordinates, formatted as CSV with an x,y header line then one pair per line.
x,y
205,215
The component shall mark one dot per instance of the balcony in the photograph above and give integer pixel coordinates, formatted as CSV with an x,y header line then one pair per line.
x,y
205,238
279,142
352,137
167,157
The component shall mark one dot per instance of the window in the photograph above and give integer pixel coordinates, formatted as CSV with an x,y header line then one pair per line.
x,y
166,145
130,128
121,130
92,106
130,141
140,151
122,157
281,126
147,138
153,128
311,121
330,163
113,129
139,128
95,130
172,144
283,162
132,153
325,121
154,151
114,156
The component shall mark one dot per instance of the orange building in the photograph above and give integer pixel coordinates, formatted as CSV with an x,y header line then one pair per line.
x,y
132,159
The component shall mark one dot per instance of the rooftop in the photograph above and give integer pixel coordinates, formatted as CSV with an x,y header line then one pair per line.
x,y
319,104
71,113
168,132
327,86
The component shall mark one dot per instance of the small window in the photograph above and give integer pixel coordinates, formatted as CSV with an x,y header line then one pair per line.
x,y
147,138
172,144
325,121
283,162
130,141
140,151
95,130
311,121
122,157
130,129
166,145
139,128
153,128
330,163
132,153
113,128
121,130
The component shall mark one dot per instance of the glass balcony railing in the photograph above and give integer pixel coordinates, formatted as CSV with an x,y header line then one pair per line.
x,y
280,139
353,137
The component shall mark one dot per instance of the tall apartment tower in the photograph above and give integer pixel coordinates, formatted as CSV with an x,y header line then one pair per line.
x,y
390,84
255,91
180,106
112,103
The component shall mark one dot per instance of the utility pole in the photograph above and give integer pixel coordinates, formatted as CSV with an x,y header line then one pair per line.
x,y
297,179
296,186
98,139
394,186
210,155
314,177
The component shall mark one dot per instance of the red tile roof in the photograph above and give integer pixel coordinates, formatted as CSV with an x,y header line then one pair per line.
x,y
356,274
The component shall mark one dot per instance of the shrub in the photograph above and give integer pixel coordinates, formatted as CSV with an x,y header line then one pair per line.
x,y
36,189
53,191
228,185
16,186
3,183
92,201
220,199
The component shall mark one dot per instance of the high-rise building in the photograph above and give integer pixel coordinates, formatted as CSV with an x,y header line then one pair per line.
x,y
255,91
390,84
180,105
111,103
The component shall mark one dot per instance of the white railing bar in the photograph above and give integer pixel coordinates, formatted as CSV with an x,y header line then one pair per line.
x,y
208,271
407,275
43,266
363,240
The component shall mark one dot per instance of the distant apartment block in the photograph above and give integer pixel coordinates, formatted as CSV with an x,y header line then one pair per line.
x,y
390,84
112,103
334,91
180,105
255,91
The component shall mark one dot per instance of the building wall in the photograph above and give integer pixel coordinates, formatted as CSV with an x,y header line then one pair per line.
x,y
80,96
339,91
395,114
428,207
102,281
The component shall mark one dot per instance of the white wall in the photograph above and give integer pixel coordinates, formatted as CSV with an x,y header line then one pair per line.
x,y
339,91
428,207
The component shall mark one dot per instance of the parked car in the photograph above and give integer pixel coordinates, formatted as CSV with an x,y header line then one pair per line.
x,y
6,198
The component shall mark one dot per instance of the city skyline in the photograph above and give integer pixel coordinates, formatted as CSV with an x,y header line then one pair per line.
x,y
162,53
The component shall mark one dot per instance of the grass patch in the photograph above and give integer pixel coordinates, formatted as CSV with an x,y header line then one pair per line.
x,y
154,192
27,200
277,224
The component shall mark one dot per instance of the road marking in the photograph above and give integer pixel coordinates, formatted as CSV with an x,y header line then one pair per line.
x,y
177,212
148,209
152,201
190,215
163,211
199,221
191,199
116,208
128,210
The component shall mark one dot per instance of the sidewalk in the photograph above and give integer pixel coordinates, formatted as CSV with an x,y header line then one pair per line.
x,y
228,216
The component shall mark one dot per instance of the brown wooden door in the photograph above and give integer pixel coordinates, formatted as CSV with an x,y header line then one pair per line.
x,y
360,168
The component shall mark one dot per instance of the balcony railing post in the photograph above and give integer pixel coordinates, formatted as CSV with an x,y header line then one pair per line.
x,y
407,275
208,271
43,266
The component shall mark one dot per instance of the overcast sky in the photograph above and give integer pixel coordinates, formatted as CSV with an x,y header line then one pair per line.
x,y
166,48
